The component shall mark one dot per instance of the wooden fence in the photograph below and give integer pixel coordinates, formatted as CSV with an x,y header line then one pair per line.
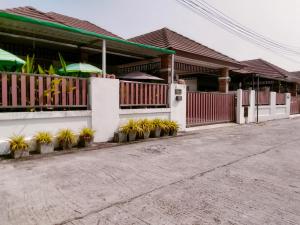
x,y
295,105
280,98
245,98
263,98
42,91
208,108
138,94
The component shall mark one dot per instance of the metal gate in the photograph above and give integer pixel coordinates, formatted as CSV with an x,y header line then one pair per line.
x,y
295,105
209,108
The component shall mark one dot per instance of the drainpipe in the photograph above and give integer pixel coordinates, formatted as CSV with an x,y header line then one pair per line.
x,y
104,58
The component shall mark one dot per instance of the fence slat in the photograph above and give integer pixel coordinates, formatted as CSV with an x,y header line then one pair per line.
x,y
77,90
41,91
4,90
48,90
70,91
84,94
23,91
63,91
14,91
32,90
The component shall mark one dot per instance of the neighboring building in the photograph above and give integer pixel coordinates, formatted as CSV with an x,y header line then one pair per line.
x,y
271,77
203,68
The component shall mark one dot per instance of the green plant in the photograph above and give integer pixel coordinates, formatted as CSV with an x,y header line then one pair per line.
x,y
50,71
43,138
157,123
173,126
87,134
165,125
66,137
28,67
146,125
131,127
17,143
63,64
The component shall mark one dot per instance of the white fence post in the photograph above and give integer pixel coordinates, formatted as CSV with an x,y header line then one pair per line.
x,y
178,107
104,100
251,107
240,114
273,104
288,103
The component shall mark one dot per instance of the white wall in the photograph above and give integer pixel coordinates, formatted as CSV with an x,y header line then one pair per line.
x,y
265,112
191,84
126,114
28,123
178,108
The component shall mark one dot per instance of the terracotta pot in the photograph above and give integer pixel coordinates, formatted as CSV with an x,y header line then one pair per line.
x,y
17,154
131,136
45,148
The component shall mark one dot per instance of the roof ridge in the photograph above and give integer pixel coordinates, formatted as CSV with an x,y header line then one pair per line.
x,y
285,74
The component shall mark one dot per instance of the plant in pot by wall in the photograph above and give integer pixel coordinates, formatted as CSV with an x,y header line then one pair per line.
x,y
18,147
174,127
165,128
66,138
44,141
156,127
131,128
86,137
146,126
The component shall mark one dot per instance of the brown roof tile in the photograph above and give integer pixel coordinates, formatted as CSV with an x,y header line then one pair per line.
x,y
264,68
166,38
29,11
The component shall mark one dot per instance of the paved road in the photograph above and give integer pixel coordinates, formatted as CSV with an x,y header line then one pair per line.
x,y
236,175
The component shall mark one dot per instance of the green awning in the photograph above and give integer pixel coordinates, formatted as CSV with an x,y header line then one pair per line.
x,y
9,61
31,27
81,68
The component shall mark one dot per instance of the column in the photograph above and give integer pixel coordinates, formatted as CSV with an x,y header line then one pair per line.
x,y
224,80
104,58
166,68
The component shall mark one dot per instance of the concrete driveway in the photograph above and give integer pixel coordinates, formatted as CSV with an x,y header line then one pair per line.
x,y
236,175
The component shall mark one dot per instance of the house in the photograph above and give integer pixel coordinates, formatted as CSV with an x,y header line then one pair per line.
x,y
202,68
271,77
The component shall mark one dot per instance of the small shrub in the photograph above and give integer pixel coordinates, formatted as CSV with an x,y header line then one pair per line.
x,y
66,138
131,127
87,134
156,123
43,138
146,125
18,143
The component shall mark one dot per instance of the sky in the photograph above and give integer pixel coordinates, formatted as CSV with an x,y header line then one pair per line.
x,y
276,19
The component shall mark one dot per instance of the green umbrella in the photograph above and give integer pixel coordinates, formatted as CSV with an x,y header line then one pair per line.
x,y
8,60
81,68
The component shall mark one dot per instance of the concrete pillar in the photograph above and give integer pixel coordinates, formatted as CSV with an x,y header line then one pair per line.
x,y
104,58
224,80
288,103
273,104
251,108
104,100
240,118
178,104
166,68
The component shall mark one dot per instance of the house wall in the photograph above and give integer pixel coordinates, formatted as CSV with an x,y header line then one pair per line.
x,y
191,84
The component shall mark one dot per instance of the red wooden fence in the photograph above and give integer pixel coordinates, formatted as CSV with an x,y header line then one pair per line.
x,y
280,99
295,105
263,98
209,108
143,94
42,91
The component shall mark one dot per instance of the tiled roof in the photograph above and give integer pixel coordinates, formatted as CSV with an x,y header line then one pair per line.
x,y
166,38
264,68
296,73
59,18
82,24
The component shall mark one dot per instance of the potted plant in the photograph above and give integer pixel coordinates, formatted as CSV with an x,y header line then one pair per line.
x,y
174,127
146,126
18,147
86,137
66,138
44,141
131,128
165,128
156,127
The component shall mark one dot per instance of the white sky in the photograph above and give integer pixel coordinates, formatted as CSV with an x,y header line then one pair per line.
x,y
277,19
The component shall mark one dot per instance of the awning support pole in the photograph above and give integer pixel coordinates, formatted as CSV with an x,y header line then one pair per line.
x,y
104,58
172,68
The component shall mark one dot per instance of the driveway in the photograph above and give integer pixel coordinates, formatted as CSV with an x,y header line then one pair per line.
x,y
246,174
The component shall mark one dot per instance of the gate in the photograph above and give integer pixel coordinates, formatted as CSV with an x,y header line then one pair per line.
x,y
209,108
295,105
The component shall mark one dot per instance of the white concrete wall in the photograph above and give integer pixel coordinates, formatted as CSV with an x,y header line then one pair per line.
x,y
161,113
178,108
29,123
265,112
104,99
191,84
